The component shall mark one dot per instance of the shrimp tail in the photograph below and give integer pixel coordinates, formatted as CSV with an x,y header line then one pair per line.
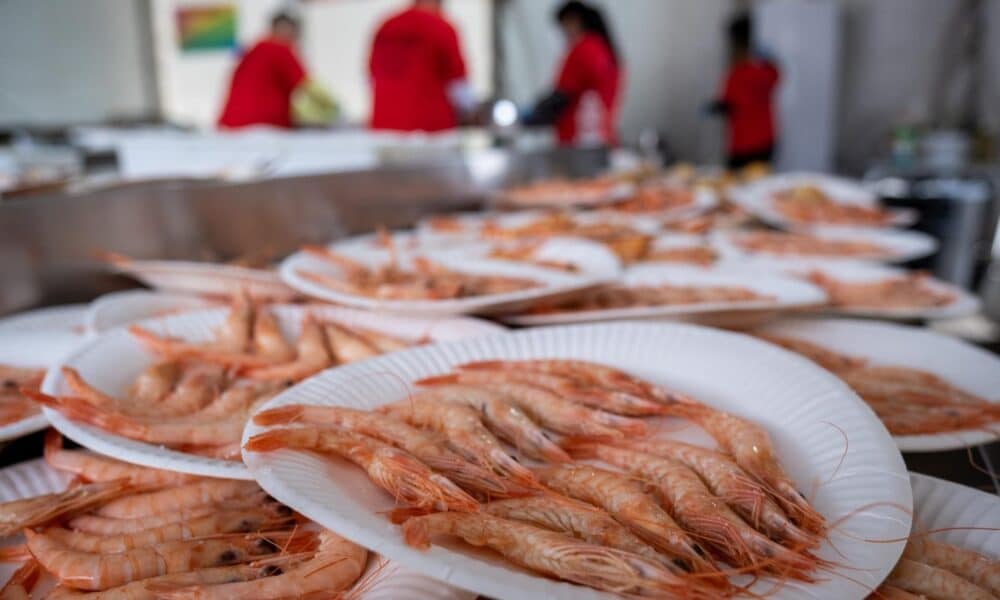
x,y
417,533
448,379
269,441
25,578
476,478
410,481
14,554
397,516
281,415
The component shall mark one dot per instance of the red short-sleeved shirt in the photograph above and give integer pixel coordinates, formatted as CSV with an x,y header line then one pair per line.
x,y
591,78
415,55
747,93
261,89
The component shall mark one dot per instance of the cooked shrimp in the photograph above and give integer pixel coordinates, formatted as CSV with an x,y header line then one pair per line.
x,y
140,590
554,554
20,584
465,433
626,501
336,565
548,408
235,521
392,469
704,516
426,447
891,592
750,445
14,378
235,333
312,356
94,467
828,359
31,512
503,418
89,571
111,526
934,582
154,383
346,345
176,349
179,497
737,489
198,387
383,342
268,340
967,564
579,519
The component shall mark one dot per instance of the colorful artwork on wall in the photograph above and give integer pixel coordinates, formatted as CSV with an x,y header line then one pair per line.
x,y
206,27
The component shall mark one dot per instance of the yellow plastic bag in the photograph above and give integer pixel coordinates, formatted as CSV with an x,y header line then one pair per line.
x,y
313,105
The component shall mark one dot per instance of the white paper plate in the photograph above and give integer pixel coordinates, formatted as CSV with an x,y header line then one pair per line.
x,y
789,293
858,271
469,225
111,362
36,477
757,197
900,245
785,393
38,338
590,258
940,504
123,308
974,370
206,278
554,283
615,193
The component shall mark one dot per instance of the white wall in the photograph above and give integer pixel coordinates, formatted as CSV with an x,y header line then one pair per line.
x,y
336,40
65,61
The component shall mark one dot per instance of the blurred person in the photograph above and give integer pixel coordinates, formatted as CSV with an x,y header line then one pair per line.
x,y
270,85
583,106
746,99
417,72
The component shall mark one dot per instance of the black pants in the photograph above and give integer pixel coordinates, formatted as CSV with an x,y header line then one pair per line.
x,y
738,161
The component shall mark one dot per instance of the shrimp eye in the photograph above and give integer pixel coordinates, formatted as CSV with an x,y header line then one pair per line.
x,y
699,550
227,557
263,544
246,525
682,564
283,510
270,570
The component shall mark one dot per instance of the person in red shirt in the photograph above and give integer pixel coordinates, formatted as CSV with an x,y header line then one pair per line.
x,y
267,75
417,72
584,104
746,100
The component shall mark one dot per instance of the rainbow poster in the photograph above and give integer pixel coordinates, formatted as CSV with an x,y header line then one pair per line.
x,y
211,27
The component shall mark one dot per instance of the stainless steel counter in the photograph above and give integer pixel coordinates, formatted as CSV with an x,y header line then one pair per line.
x,y
47,243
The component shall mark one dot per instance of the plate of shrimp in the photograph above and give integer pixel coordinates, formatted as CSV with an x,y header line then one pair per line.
x,y
175,392
883,245
439,284
679,292
203,278
77,523
667,200
592,191
574,462
933,392
954,549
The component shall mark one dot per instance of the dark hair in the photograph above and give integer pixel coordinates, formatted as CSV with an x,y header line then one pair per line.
x,y
592,20
286,18
740,30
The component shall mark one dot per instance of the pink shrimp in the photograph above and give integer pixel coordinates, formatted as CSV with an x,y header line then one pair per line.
x,y
934,582
750,445
392,469
426,447
737,489
22,582
268,340
154,383
555,554
235,333
383,342
111,526
626,501
503,418
548,408
335,566
178,497
312,356
141,589
465,433
176,349
198,387
346,345
94,467
89,571
891,592
703,515
968,564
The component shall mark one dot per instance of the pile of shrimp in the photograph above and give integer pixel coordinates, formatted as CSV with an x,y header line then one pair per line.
x,y
628,243
908,401
527,252
14,404
425,280
133,533
493,453
810,204
196,398
656,198
905,291
801,244
931,570
561,192
619,296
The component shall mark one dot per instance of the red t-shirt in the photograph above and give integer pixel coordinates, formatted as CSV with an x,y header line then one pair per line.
x,y
415,55
747,93
261,89
590,77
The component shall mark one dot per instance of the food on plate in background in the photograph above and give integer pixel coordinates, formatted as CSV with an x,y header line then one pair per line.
x,y
802,244
908,401
908,290
655,198
692,255
14,404
615,297
809,204
564,192
527,252
626,242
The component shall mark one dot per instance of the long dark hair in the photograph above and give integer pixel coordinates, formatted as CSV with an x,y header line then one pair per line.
x,y
592,20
